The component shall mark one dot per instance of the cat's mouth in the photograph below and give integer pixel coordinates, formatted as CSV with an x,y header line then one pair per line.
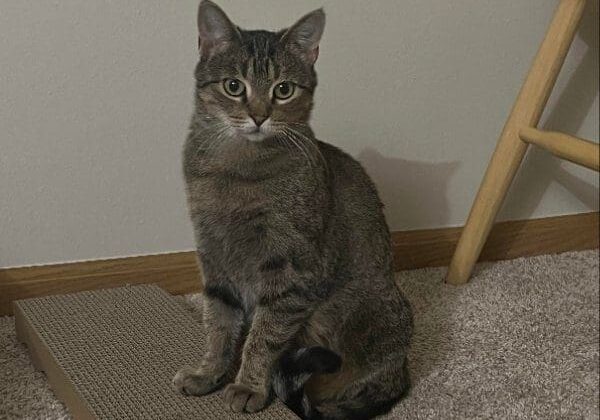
x,y
255,134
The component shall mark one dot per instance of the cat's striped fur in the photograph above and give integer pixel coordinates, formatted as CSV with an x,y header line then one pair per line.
x,y
294,249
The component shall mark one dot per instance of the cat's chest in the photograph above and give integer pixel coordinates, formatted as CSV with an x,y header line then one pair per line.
x,y
233,222
225,198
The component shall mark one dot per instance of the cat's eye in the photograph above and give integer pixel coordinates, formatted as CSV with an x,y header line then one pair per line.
x,y
284,90
234,87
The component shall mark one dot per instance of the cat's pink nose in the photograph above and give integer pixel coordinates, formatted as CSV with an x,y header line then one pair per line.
x,y
259,119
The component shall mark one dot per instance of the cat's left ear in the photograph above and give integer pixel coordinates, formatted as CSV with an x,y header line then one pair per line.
x,y
304,36
215,31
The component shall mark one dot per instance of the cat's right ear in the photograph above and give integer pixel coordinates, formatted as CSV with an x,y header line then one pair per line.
x,y
215,31
304,36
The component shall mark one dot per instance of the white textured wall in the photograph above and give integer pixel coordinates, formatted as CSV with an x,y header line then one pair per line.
x,y
95,97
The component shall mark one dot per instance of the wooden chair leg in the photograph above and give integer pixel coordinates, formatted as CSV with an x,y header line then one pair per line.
x,y
510,149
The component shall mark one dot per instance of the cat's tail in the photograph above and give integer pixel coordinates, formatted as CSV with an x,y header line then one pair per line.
x,y
295,368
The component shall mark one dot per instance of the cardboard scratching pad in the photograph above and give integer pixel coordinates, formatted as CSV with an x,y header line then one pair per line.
x,y
111,354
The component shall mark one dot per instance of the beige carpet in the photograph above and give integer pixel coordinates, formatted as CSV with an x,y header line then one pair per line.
x,y
520,341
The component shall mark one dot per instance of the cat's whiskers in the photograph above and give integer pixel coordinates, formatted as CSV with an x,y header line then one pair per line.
x,y
282,140
205,142
290,137
306,140
298,141
220,138
214,140
309,141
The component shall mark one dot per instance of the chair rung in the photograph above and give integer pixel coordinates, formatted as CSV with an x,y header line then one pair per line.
x,y
571,148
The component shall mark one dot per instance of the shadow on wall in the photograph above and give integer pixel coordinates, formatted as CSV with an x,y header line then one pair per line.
x,y
407,206
540,168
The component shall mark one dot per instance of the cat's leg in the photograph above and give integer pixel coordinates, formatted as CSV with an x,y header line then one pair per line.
x,y
267,339
223,320
284,305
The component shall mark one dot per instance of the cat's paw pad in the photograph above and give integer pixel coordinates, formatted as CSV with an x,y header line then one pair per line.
x,y
189,382
239,397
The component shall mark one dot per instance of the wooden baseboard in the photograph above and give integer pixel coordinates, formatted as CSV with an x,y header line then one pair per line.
x,y
507,240
178,272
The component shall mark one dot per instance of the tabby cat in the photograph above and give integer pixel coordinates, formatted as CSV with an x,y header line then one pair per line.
x,y
299,295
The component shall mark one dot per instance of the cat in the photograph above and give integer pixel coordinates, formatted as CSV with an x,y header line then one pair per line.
x,y
295,254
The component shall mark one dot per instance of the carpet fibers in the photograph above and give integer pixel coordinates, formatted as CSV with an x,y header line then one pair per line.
x,y
520,341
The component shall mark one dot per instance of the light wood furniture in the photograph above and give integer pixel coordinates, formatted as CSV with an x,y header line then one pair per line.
x,y
520,131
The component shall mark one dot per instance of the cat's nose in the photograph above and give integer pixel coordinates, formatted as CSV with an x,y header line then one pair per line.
x,y
259,119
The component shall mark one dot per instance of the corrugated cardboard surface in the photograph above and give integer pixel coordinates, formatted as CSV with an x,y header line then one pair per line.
x,y
111,354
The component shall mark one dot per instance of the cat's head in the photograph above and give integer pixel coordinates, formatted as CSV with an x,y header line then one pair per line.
x,y
256,84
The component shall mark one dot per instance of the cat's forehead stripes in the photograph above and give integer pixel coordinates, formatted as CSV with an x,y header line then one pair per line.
x,y
260,46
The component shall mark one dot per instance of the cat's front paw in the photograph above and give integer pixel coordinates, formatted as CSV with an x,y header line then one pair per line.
x,y
239,397
189,382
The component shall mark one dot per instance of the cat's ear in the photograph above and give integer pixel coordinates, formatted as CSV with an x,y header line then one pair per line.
x,y
215,31
304,36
